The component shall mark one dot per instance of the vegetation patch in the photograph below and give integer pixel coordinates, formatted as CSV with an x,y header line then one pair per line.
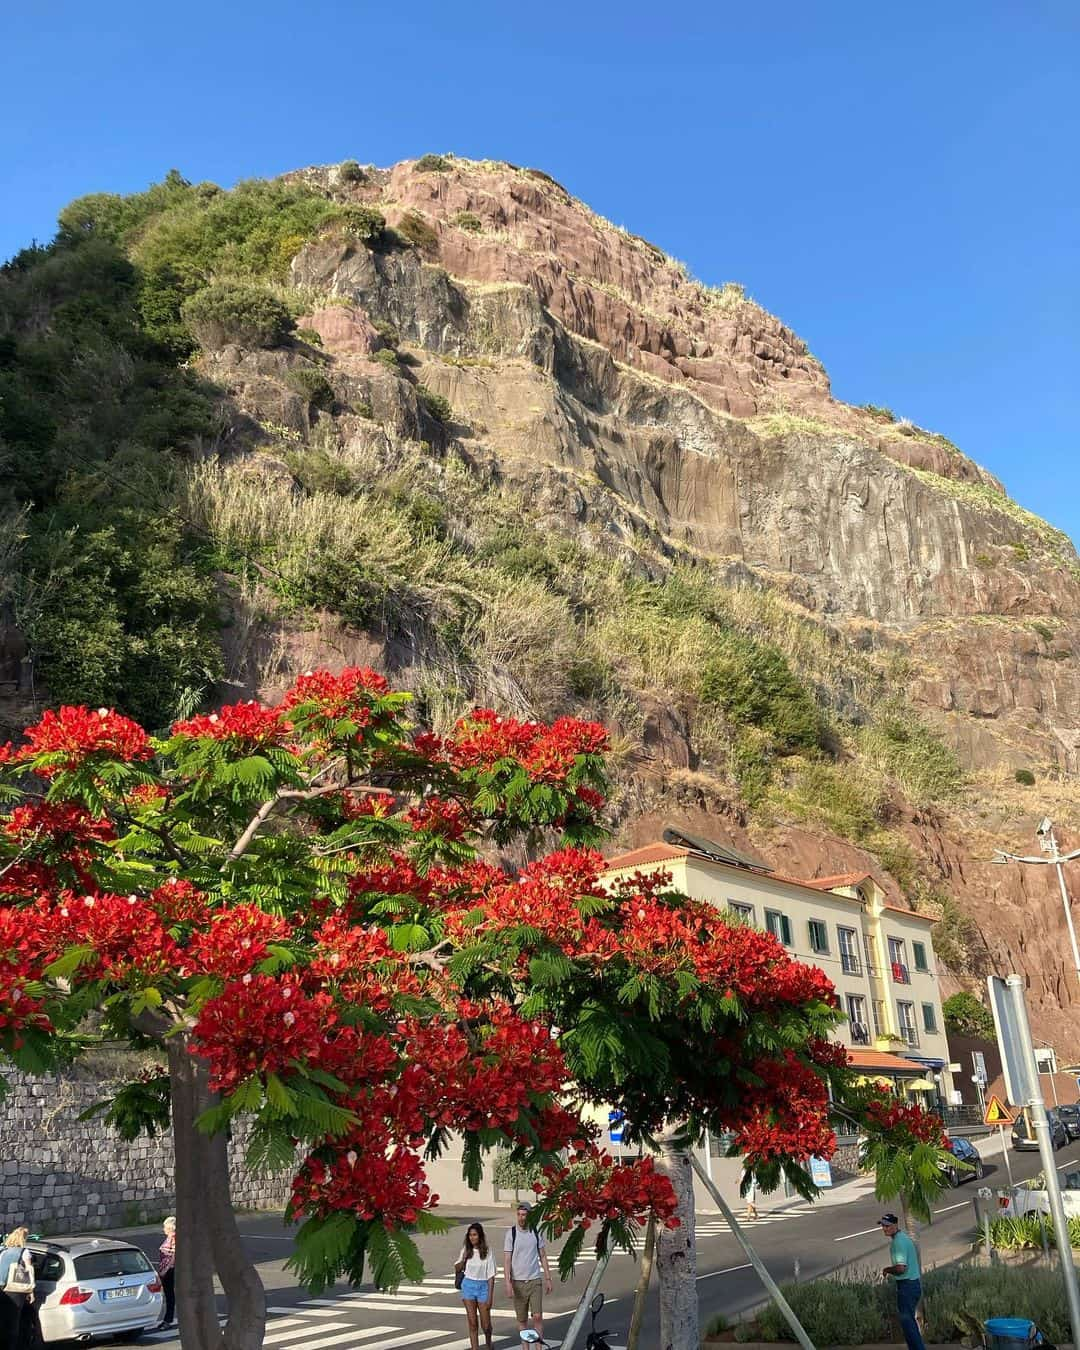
x,y
467,220
415,230
432,164
434,404
313,385
228,312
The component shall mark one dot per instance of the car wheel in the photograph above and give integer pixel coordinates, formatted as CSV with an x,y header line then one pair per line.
x,y
951,1174
980,1170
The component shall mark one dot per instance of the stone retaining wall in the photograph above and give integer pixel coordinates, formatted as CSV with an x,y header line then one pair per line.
x,y
60,1174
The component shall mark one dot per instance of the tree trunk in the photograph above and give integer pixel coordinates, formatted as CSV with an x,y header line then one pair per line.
x,y
676,1255
642,1290
207,1236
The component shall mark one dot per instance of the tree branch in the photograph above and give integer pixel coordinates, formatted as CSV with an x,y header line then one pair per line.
x,y
290,794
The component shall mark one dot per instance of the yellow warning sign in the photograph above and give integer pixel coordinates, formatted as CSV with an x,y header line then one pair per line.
x,y
997,1113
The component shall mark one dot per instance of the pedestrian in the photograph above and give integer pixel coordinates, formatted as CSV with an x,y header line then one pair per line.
x,y
16,1286
907,1276
751,1198
525,1259
476,1268
167,1269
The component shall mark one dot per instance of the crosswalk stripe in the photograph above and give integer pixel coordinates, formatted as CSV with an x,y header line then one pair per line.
x,y
307,1312
410,1338
295,1333
386,1304
362,1334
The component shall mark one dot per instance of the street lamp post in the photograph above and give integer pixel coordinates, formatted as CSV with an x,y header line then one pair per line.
x,y
1052,858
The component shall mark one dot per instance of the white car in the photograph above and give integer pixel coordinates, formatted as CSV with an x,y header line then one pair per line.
x,y
1030,1197
90,1286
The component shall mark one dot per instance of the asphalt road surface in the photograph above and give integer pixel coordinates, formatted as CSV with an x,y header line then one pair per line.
x,y
820,1237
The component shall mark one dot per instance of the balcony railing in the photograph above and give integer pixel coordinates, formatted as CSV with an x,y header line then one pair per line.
x,y
900,973
849,963
860,1035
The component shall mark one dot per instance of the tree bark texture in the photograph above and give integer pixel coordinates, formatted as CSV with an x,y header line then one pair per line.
x,y
642,1290
676,1255
207,1238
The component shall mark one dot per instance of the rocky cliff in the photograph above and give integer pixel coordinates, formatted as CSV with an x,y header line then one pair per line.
x,y
541,465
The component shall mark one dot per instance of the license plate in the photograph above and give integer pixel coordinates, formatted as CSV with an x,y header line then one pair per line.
x,y
109,1294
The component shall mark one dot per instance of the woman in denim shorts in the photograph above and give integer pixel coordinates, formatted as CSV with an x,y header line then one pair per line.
x,y
476,1264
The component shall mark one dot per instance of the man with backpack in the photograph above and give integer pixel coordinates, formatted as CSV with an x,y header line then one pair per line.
x,y
528,1277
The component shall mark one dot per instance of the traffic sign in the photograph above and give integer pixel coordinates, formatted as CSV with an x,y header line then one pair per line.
x,y
997,1113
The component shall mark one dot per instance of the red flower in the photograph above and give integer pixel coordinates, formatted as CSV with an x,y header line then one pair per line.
x,y
77,733
245,724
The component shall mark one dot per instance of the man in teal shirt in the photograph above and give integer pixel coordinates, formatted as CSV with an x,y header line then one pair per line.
x,y
907,1276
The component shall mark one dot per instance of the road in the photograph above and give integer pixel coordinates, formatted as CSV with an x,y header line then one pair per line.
x,y
821,1237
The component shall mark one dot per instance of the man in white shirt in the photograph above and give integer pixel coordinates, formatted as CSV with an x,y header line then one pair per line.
x,y
526,1259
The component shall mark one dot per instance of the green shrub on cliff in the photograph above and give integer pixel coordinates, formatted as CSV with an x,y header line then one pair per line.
x,y
754,686
313,385
230,312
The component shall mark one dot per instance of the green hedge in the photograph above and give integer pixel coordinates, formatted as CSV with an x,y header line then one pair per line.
x,y
857,1307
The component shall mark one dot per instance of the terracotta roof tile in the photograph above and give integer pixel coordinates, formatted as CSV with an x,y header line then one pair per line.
x,y
882,1059
841,879
648,853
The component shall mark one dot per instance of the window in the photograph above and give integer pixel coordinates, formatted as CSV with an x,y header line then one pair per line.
x,y
779,925
104,1265
856,1010
868,952
743,912
819,937
898,961
929,1017
879,1017
849,950
909,1032
918,955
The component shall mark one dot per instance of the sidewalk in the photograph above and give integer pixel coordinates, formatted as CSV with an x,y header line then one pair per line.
x,y
855,1188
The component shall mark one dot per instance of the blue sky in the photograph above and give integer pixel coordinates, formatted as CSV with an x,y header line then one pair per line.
x,y
898,182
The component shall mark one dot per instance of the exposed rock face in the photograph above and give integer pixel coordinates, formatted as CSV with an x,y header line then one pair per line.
x,y
628,403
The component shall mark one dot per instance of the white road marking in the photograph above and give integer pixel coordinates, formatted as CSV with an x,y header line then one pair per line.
x,y
861,1233
410,1338
945,1209
365,1334
726,1271
296,1333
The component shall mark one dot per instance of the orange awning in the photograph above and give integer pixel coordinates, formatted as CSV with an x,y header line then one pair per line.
x,y
880,1061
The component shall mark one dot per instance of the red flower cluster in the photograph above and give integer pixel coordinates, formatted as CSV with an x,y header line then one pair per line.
x,y
441,816
361,963
77,733
547,753
180,902
388,1186
901,1123
125,933
259,1025
785,1113
246,724
60,822
347,695
21,963
234,942
595,1187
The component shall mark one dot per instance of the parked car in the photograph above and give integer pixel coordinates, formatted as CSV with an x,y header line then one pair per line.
x,y
964,1152
1023,1131
1070,1118
1030,1197
88,1287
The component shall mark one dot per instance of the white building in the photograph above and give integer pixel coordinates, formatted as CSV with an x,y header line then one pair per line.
x,y
879,957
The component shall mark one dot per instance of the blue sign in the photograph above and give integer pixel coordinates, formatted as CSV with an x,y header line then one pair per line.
x,y
820,1172
615,1124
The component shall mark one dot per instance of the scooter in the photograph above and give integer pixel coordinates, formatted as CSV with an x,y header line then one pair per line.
x,y
596,1340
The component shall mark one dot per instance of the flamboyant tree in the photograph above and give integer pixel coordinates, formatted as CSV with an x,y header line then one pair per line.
x,y
298,907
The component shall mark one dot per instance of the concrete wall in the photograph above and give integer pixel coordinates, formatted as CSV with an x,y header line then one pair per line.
x,y
63,1175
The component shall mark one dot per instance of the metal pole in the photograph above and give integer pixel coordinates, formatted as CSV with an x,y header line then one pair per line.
x,y
1005,1155
1046,1150
1065,904
766,1279
578,1319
